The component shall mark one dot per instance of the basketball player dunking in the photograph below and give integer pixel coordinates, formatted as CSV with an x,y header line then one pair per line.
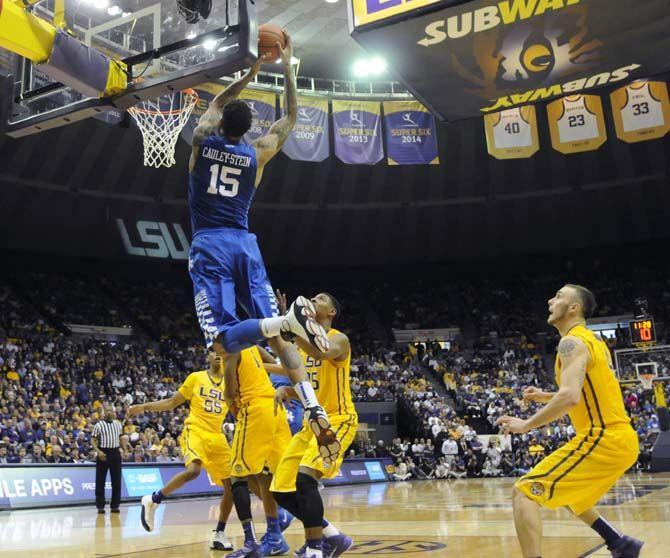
x,y
295,483
225,263
605,446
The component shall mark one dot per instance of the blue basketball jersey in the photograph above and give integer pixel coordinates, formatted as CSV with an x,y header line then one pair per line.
x,y
222,185
294,409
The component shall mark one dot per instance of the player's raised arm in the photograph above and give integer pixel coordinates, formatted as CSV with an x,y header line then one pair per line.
x,y
166,404
574,357
268,145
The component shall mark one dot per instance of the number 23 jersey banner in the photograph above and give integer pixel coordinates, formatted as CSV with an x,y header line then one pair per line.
x,y
357,132
410,134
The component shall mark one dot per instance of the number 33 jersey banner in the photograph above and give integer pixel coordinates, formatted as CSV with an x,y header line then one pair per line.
x,y
410,134
310,139
576,123
357,132
641,111
512,133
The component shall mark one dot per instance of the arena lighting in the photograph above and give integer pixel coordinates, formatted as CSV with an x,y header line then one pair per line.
x,y
369,67
210,45
113,10
191,35
100,4
331,1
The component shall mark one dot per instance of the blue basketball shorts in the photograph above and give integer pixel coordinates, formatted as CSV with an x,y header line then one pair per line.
x,y
227,271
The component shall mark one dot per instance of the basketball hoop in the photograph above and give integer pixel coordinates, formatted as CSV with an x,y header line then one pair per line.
x,y
647,380
161,120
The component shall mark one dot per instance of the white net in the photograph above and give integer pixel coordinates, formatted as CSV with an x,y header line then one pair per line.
x,y
161,120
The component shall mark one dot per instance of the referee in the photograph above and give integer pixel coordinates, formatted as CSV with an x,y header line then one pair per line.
x,y
106,442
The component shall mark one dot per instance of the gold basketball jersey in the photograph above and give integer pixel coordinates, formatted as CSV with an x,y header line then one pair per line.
x,y
208,408
331,382
601,405
252,378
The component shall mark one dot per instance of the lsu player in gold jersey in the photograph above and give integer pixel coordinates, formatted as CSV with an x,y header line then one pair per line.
x,y
295,483
261,434
605,445
202,442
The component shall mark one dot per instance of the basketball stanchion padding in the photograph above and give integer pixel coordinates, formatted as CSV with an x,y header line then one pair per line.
x,y
161,120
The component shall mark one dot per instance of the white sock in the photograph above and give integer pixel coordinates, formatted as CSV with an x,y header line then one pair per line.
x,y
330,530
306,393
271,327
315,553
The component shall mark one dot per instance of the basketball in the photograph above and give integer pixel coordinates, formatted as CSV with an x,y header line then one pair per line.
x,y
268,36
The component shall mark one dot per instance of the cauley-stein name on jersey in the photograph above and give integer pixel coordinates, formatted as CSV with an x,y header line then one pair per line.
x,y
225,157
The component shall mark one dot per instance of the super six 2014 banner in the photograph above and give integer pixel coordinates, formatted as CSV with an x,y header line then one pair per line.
x,y
357,126
310,138
411,138
483,56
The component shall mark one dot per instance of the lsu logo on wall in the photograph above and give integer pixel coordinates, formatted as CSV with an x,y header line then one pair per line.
x,y
362,12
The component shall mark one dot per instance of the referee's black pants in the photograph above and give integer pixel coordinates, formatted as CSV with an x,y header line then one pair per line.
x,y
113,464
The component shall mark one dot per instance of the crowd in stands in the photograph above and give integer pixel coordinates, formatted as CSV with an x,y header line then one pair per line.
x,y
53,384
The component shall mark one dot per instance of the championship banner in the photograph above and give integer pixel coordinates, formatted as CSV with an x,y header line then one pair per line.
x,y
467,58
576,123
262,105
641,111
206,92
411,138
358,138
512,133
310,138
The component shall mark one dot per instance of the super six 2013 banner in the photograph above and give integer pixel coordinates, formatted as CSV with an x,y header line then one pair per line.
x,y
310,139
357,126
464,59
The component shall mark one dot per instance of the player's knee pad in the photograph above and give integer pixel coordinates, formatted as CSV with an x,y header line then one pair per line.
x,y
310,501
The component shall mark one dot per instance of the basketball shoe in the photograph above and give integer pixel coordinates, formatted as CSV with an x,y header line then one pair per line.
x,y
626,547
220,541
300,320
336,545
251,549
329,445
148,511
273,544
285,519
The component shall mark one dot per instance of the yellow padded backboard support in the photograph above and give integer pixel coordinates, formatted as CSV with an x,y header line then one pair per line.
x,y
23,33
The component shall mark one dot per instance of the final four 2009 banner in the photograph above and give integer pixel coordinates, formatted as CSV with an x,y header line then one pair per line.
x,y
310,139
410,134
357,127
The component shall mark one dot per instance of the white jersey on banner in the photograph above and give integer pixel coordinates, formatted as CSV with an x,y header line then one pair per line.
x,y
642,110
512,130
577,122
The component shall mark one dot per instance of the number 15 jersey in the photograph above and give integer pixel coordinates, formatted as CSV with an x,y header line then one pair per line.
x,y
222,185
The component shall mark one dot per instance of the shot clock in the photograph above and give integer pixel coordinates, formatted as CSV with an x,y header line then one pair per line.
x,y
642,331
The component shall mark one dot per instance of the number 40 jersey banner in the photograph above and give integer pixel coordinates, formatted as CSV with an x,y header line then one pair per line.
x,y
357,126
410,134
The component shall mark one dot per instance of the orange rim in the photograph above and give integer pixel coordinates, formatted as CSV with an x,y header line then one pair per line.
x,y
174,112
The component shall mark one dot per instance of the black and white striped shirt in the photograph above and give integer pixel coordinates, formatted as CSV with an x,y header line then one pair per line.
x,y
108,434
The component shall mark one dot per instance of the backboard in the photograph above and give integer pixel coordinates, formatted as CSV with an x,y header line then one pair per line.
x,y
163,52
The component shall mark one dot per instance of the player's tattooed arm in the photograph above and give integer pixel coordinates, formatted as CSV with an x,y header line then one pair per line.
x,y
166,404
339,348
209,122
574,357
268,145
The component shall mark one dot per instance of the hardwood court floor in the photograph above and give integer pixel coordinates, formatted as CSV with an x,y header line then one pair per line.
x,y
453,519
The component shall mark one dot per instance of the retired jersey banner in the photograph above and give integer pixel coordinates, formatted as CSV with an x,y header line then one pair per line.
x,y
262,105
310,138
576,123
411,138
467,58
357,126
641,111
512,133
